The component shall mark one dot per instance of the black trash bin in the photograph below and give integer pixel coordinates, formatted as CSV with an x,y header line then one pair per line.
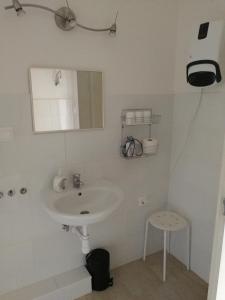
x,y
98,265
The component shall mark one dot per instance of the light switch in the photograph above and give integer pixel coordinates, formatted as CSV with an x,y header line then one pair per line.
x,y
6,134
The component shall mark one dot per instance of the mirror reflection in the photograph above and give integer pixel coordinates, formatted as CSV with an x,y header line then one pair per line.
x,y
66,99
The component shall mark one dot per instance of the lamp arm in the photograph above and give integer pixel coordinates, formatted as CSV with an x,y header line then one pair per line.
x,y
112,28
94,29
37,6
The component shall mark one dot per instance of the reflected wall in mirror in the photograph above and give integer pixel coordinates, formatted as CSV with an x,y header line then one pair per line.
x,y
66,99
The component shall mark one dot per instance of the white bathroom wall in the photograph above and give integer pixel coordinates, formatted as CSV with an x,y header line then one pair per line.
x,y
195,166
32,247
194,177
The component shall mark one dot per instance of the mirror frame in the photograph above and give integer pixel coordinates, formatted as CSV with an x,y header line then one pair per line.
x,y
66,130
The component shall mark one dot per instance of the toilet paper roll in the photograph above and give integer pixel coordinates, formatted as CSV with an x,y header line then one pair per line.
x,y
130,118
150,146
139,114
147,116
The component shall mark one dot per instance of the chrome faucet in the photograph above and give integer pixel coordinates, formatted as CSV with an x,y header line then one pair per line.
x,y
77,183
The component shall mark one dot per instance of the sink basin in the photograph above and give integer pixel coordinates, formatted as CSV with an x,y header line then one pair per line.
x,y
87,205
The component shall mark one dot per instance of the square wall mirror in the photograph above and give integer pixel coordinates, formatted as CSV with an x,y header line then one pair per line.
x,y
64,99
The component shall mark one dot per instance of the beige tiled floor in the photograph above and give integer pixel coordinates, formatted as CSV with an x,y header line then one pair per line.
x,y
142,281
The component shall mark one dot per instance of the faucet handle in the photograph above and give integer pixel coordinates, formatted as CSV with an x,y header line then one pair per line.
x,y
77,183
76,175
81,183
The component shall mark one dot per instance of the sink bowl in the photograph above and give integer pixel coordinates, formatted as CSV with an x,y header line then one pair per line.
x,y
87,205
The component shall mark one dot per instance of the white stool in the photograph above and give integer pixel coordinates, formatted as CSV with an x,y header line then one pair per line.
x,y
168,221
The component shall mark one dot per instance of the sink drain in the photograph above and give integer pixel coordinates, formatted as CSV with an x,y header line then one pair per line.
x,y
84,212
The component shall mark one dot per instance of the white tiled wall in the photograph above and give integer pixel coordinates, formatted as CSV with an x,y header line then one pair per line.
x,y
195,179
195,176
32,246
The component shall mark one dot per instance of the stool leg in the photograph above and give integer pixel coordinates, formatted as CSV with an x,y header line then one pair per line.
x,y
169,248
146,239
188,246
164,257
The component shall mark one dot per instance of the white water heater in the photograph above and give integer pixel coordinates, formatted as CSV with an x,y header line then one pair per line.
x,y
205,58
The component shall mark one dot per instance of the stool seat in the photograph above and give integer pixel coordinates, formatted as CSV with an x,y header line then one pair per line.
x,y
168,220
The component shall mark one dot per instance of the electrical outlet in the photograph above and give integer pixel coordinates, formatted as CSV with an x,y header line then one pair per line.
x,y
143,201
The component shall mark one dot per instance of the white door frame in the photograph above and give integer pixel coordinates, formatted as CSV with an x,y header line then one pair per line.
x,y
218,242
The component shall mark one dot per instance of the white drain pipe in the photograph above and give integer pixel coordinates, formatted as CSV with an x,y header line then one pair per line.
x,y
83,235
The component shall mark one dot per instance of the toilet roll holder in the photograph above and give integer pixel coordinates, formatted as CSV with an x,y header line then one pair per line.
x,y
137,122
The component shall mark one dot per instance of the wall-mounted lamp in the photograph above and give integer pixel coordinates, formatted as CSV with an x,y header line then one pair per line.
x,y
65,18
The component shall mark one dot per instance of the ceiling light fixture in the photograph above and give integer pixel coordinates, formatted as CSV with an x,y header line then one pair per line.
x,y
65,18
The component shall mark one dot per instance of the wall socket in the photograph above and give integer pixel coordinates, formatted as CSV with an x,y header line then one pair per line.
x,y
143,201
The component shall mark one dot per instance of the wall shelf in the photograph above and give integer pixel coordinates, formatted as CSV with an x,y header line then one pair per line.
x,y
154,119
143,119
136,157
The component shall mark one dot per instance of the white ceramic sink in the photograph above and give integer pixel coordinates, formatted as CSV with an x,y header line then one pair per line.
x,y
87,205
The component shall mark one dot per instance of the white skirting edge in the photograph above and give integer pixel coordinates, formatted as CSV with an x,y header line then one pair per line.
x,y
66,286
